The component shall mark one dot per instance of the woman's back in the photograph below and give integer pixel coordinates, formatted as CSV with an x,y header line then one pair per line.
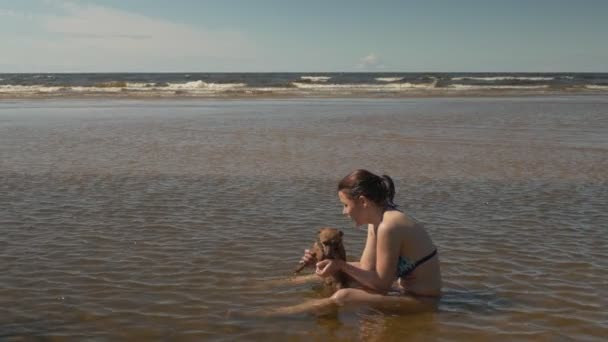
x,y
417,255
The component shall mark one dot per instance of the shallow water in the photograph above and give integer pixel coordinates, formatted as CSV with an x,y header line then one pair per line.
x,y
141,220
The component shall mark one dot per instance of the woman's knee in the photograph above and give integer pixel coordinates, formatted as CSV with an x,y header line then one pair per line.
x,y
343,296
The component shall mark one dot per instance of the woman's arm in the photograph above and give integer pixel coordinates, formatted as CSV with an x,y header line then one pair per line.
x,y
381,276
368,260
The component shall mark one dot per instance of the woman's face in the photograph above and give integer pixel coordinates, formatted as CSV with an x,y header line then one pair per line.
x,y
351,208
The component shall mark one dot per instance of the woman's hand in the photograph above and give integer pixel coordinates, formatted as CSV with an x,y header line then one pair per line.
x,y
328,267
308,259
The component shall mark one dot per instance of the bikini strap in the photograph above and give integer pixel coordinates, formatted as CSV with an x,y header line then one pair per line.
x,y
425,259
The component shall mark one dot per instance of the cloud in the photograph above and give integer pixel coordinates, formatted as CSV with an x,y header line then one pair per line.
x,y
102,36
14,14
97,38
7,13
371,61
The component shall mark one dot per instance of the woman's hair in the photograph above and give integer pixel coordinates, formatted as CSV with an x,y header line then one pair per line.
x,y
378,189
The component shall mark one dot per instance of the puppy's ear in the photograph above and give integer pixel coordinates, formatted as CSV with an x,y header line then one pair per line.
x,y
341,233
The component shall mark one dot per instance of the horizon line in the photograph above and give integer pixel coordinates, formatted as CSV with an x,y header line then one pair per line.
x,y
300,72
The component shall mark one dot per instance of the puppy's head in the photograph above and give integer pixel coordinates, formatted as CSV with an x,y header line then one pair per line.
x,y
330,243
327,246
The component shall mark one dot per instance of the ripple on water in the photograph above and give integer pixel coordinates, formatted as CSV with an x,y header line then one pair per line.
x,y
126,238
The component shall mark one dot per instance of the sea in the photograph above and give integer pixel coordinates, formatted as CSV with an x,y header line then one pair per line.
x,y
177,211
298,84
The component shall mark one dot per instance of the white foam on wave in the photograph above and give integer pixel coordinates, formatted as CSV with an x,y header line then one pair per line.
x,y
388,79
16,89
201,85
140,85
39,76
316,78
502,78
116,87
489,87
596,86
81,89
36,89
268,90
364,87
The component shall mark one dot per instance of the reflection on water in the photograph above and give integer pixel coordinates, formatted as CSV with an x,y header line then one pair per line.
x,y
151,220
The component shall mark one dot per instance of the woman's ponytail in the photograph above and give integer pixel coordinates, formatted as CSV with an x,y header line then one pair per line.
x,y
389,190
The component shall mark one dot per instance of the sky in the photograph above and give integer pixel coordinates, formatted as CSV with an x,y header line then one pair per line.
x,y
303,36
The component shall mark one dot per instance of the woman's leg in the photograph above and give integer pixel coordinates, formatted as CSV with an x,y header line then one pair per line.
x,y
315,306
359,297
402,303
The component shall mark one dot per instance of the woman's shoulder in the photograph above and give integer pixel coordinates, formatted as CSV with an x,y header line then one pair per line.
x,y
397,218
397,224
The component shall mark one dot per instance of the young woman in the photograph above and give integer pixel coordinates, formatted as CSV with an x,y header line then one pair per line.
x,y
399,267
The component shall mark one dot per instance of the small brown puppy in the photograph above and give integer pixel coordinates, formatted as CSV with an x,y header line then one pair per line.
x,y
328,246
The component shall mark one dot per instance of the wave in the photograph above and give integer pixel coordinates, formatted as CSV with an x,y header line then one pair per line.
x,y
388,79
597,86
316,78
205,89
198,85
489,87
43,76
111,84
502,78
108,87
120,86
144,85
82,89
368,87
16,89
